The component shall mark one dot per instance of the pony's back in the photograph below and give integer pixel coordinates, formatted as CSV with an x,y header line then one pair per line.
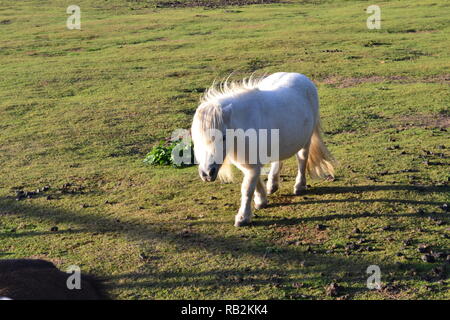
x,y
285,80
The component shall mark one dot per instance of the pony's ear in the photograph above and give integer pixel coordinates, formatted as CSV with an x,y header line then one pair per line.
x,y
227,112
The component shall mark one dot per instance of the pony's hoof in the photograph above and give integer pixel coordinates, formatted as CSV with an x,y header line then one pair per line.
x,y
299,191
272,189
242,222
260,205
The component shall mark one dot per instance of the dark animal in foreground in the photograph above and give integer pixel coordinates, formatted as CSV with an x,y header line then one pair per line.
x,y
32,279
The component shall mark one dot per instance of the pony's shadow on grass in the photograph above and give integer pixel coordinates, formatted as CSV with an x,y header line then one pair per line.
x,y
361,189
327,201
263,221
304,200
21,234
325,266
235,279
368,188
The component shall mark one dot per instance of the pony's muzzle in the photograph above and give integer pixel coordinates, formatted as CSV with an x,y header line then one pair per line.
x,y
210,174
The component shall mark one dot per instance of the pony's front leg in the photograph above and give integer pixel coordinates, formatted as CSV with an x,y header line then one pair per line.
x,y
251,177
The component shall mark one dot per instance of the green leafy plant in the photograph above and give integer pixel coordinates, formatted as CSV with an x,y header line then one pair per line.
x,y
163,154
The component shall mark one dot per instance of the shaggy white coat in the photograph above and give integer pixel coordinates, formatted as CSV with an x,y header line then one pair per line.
x,y
285,101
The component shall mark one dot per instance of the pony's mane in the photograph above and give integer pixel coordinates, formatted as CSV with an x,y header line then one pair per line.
x,y
210,116
230,88
210,112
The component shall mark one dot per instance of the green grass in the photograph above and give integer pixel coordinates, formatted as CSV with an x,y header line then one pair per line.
x,y
85,106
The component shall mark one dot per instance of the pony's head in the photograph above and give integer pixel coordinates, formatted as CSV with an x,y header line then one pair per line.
x,y
208,134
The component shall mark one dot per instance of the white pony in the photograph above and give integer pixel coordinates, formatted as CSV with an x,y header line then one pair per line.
x,y
284,101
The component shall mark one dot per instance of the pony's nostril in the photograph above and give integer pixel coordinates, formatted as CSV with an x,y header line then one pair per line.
x,y
203,174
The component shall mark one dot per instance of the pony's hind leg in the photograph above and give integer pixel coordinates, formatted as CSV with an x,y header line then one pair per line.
x,y
273,181
260,195
251,178
302,160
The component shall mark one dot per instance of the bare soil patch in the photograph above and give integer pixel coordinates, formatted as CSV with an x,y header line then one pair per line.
x,y
301,235
209,3
425,120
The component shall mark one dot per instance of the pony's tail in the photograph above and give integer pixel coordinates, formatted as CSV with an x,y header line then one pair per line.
x,y
320,160
226,171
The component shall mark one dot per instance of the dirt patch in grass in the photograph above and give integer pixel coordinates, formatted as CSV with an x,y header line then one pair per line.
x,y
412,31
393,291
209,3
301,235
341,82
425,120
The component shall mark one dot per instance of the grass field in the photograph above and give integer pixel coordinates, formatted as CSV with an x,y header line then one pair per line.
x,y
79,110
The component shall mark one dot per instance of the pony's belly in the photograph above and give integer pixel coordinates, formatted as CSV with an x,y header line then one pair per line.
x,y
286,146
295,134
288,151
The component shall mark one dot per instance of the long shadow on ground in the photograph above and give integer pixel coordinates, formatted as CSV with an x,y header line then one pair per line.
x,y
239,248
